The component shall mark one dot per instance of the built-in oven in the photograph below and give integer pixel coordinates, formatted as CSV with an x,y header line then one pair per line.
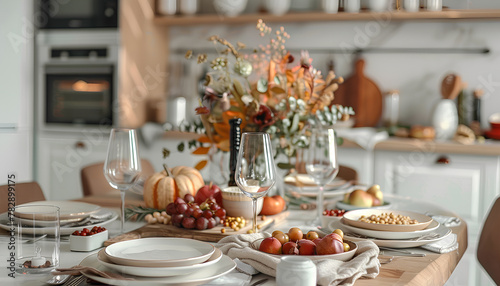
x,y
77,80
80,95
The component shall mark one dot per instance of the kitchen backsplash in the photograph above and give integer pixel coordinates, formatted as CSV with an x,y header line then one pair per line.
x,y
417,75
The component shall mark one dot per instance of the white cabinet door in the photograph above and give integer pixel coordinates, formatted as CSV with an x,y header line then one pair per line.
x,y
467,185
360,160
60,161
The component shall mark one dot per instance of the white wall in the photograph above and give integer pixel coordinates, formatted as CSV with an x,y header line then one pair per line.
x,y
16,91
418,76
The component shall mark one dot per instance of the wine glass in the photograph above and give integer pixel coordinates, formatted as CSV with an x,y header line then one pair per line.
x,y
321,162
122,166
255,172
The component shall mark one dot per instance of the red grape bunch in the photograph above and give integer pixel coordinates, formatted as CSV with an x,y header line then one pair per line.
x,y
188,214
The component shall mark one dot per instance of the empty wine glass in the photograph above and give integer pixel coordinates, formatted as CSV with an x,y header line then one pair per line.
x,y
255,171
321,162
123,164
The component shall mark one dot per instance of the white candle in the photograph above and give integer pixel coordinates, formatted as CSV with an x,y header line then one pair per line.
x,y
38,261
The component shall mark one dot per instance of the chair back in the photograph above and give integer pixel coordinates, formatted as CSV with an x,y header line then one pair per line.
x,y
488,249
94,182
22,193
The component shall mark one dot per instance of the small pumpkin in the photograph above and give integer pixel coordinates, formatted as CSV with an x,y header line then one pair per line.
x,y
164,187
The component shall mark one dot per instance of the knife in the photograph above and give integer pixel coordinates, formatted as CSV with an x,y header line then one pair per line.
x,y
404,252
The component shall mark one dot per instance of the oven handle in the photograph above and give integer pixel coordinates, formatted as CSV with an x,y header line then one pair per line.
x,y
79,69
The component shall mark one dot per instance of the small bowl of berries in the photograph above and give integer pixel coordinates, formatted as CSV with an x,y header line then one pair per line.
x,y
88,239
331,215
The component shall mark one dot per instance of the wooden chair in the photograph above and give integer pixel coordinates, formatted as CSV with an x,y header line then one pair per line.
x,y
488,249
24,193
94,182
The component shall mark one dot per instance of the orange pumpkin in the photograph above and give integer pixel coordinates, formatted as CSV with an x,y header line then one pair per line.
x,y
164,187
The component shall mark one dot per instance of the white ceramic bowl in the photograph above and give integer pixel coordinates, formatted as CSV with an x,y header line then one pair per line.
x,y
230,8
87,243
237,204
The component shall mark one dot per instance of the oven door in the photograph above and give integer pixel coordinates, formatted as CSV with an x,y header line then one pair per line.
x,y
79,95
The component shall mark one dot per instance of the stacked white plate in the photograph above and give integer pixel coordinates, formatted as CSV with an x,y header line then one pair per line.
x,y
160,261
69,214
388,235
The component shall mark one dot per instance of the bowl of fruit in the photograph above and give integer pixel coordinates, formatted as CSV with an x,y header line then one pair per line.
x,y
88,239
330,215
364,199
310,245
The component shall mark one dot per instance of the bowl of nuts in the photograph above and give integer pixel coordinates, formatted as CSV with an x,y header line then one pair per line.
x,y
387,220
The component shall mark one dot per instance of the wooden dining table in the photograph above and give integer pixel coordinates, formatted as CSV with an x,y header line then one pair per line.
x,y
433,269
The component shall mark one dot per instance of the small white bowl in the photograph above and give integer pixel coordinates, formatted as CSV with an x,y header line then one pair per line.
x,y
237,204
326,220
87,243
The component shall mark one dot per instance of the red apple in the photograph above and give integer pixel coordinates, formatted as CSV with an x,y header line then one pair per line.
x,y
270,245
306,247
316,241
330,244
290,248
272,205
337,236
208,191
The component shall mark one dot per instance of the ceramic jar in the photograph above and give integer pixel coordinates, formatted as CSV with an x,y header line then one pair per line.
x,y
330,6
352,6
277,7
296,271
230,8
188,7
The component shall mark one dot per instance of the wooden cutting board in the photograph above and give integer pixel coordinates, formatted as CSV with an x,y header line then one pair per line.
x,y
362,94
211,235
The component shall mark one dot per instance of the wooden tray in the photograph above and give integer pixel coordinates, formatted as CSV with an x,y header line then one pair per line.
x,y
211,235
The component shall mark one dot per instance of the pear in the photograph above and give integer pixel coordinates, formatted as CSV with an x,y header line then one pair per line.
x,y
376,193
361,198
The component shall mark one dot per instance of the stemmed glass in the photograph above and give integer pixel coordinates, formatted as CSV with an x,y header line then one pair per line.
x,y
255,171
123,164
321,162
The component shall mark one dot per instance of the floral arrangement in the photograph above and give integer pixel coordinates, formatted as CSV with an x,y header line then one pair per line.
x,y
268,90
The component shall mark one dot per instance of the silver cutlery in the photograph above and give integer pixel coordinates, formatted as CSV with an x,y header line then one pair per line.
x,y
33,240
402,251
422,237
58,279
77,280
262,281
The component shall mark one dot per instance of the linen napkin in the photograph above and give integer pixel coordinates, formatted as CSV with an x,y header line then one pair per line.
x,y
448,244
78,270
365,262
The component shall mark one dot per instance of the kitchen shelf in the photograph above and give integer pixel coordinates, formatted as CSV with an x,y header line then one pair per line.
x,y
318,16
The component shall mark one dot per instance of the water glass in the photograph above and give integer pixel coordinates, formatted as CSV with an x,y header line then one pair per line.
x,y
37,238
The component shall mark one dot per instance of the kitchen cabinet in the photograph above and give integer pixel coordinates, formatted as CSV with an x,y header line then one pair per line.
x,y
466,184
352,155
60,159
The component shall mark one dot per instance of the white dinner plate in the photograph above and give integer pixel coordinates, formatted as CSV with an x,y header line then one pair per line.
x,y
45,223
352,218
67,209
222,267
159,252
442,232
109,215
158,271
336,188
348,207
383,234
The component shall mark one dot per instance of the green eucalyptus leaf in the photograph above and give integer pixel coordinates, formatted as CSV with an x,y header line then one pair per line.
x,y
181,147
285,166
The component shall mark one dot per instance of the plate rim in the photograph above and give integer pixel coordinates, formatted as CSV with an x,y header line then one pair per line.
x,y
348,217
91,260
404,243
379,233
82,214
183,270
386,205
157,263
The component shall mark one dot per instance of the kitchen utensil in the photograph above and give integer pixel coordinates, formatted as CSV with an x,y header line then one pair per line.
x,y
362,94
405,252
36,239
451,86
58,279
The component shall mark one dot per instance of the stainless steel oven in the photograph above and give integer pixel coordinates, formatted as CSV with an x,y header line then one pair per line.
x,y
79,95
77,80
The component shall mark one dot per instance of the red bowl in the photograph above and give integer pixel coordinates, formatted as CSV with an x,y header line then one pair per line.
x,y
495,125
494,120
